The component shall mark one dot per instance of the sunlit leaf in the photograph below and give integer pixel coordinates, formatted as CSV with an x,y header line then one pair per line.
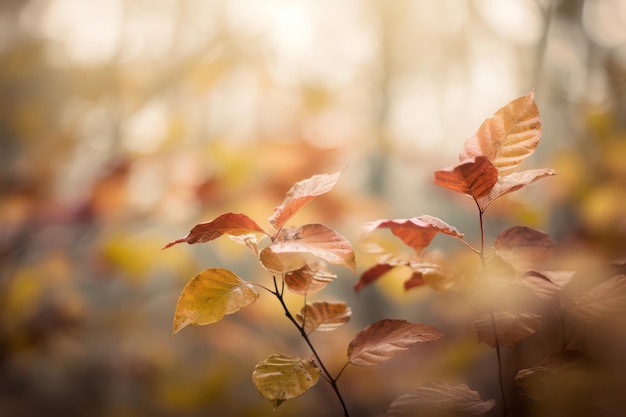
x,y
435,273
511,328
371,275
523,247
540,381
282,377
323,315
210,295
416,232
438,396
294,248
301,193
474,177
513,182
386,339
310,278
603,302
509,136
545,284
228,223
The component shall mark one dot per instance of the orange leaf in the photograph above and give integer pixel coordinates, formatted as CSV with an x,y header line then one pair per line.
x,y
297,247
417,232
301,193
509,136
474,177
323,315
511,328
523,247
309,279
371,275
513,182
386,339
228,223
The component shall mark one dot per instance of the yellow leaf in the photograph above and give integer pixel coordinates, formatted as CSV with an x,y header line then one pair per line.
x,y
210,295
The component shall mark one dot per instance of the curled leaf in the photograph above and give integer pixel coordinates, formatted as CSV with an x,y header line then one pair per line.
x,y
323,315
474,177
511,328
416,232
301,193
296,248
523,247
228,223
210,295
282,377
310,278
438,396
386,339
509,136
605,301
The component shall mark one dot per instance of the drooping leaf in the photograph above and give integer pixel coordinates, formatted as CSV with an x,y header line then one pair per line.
x,y
210,295
545,284
540,381
281,377
310,278
523,247
603,302
323,315
301,193
474,177
295,248
513,182
386,339
228,223
509,136
438,396
416,232
372,274
435,273
511,328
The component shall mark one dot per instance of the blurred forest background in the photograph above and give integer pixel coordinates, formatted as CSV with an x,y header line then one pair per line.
x,y
125,122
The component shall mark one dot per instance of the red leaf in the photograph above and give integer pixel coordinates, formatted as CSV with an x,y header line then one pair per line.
x,y
371,275
228,223
301,193
513,182
523,247
417,232
416,280
474,177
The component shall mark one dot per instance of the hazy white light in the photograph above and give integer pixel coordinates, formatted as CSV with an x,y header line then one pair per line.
x,y
518,20
605,22
145,130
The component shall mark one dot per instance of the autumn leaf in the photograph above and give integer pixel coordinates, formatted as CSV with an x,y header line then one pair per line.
x,y
281,377
301,193
323,315
209,296
371,275
523,247
228,223
386,339
416,232
435,273
511,328
513,182
604,301
310,278
545,284
441,397
509,136
296,248
474,177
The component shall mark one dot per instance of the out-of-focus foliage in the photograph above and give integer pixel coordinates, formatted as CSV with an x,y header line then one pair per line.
x,y
122,122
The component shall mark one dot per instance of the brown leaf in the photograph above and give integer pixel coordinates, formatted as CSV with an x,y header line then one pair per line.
x,y
386,339
416,280
603,302
438,396
295,248
509,136
545,284
436,273
372,274
228,223
511,328
513,182
323,315
417,232
474,177
301,193
523,247
210,295
309,279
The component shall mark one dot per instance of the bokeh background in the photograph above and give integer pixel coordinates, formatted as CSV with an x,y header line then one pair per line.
x,y
125,122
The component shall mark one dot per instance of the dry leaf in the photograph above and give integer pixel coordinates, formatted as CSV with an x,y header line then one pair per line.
x,y
323,315
523,247
603,302
513,182
386,339
372,274
474,177
511,328
310,278
545,284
